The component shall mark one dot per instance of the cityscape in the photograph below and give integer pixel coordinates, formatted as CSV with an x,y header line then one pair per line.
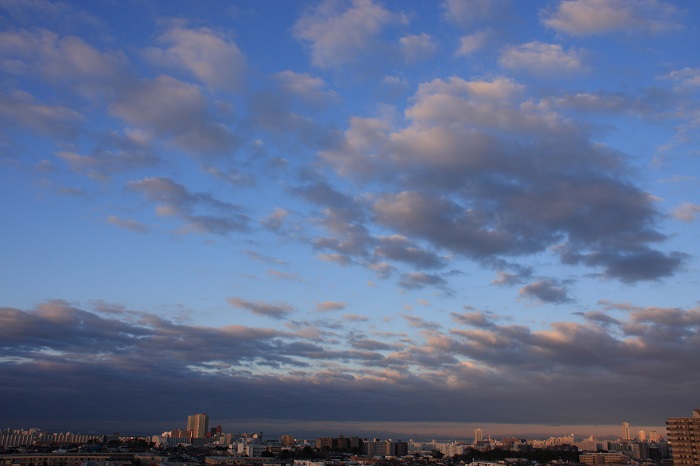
x,y
198,443
351,232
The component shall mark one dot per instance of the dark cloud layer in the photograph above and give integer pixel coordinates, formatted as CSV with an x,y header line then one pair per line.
x,y
144,363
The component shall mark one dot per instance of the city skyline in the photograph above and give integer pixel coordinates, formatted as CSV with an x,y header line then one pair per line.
x,y
403,214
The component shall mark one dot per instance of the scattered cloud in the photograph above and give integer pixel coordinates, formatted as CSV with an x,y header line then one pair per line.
x,y
467,13
177,111
417,47
687,212
472,43
200,211
337,36
276,311
325,306
127,223
546,291
210,56
588,17
541,58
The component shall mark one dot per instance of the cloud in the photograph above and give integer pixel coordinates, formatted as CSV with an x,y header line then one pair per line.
x,y
277,370
417,47
466,13
546,291
339,36
589,17
310,90
19,109
177,111
330,306
66,61
399,248
276,311
200,211
486,175
687,212
101,164
686,77
472,43
127,223
418,280
211,57
541,58
474,319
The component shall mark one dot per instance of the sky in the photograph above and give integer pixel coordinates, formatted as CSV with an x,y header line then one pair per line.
x,y
418,216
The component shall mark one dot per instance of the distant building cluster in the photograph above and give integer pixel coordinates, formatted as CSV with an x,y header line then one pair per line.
x,y
214,447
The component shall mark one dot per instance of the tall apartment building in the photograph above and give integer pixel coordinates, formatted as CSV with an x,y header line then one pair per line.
x,y
684,436
198,424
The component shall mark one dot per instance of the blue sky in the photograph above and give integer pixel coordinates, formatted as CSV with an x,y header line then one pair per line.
x,y
349,211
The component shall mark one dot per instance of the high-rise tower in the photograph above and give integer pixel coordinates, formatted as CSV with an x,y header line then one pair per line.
x,y
198,424
626,431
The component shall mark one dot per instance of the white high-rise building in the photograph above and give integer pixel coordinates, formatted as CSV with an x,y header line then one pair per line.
x,y
478,435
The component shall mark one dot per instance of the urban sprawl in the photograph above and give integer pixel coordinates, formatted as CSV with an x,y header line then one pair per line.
x,y
200,445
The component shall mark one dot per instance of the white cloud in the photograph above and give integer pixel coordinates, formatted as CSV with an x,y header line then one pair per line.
x,y
210,57
540,58
337,36
587,17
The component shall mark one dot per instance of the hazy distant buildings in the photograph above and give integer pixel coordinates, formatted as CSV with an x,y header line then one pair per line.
x,y
684,436
198,424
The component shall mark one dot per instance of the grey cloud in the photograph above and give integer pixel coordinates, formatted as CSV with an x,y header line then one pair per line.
x,y
140,358
418,280
474,319
67,61
477,172
174,199
373,345
547,291
19,109
399,248
276,311
178,111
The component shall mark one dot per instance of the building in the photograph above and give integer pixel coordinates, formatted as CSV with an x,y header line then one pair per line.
x,y
603,458
626,431
478,435
198,424
684,437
